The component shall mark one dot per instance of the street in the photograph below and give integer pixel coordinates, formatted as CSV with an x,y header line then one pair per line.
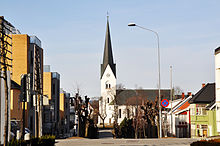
x,y
126,142
105,138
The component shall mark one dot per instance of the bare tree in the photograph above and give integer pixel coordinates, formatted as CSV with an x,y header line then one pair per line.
x,y
102,114
178,90
151,112
120,86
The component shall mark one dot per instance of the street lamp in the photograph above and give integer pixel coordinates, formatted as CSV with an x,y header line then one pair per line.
x,y
158,48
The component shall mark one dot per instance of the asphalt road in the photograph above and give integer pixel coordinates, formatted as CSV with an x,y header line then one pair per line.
x,y
105,138
126,142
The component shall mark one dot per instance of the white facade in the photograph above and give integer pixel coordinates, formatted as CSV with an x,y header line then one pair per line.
x,y
108,93
2,107
217,86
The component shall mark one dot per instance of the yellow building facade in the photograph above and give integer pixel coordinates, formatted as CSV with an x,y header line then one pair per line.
x,y
20,57
27,56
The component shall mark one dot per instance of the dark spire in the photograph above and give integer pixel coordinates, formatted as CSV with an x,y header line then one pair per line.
x,y
108,55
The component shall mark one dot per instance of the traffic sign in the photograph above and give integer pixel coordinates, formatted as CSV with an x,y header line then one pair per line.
x,y
165,103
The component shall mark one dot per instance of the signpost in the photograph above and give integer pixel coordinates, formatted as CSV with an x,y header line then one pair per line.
x,y
165,103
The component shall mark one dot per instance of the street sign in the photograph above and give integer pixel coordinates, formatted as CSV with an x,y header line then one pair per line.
x,y
165,103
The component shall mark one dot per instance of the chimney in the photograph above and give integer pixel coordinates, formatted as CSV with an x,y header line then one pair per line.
x,y
183,95
203,85
189,94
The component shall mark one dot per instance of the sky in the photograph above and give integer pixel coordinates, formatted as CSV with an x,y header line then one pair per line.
x,y
72,34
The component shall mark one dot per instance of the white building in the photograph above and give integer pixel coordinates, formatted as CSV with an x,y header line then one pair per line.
x,y
217,86
179,118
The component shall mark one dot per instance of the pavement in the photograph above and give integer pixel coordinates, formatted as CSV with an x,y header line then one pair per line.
x,y
105,138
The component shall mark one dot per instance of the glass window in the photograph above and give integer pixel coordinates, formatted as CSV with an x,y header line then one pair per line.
x,y
119,113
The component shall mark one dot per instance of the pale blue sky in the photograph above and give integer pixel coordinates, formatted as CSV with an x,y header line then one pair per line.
x,y
72,35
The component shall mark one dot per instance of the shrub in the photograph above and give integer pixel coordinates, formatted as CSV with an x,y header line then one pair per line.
x,y
47,140
15,142
213,142
92,130
124,130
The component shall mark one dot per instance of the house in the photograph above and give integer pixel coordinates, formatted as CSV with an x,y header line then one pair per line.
x,y
203,112
180,116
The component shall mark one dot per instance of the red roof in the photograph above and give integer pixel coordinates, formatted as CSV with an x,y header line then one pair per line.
x,y
184,106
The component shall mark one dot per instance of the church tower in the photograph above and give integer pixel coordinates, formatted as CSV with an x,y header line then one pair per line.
x,y
108,82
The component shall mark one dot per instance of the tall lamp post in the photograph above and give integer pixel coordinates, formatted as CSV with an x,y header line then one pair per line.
x,y
158,48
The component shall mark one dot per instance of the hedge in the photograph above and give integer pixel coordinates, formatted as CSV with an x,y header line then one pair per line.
x,y
212,142
48,140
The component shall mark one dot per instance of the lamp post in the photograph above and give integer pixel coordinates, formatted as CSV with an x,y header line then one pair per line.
x,y
158,49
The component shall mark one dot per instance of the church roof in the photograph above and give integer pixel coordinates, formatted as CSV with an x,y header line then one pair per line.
x,y
108,55
138,96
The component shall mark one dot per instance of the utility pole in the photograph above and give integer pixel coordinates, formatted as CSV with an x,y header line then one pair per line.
x,y
171,98
23,100
5,44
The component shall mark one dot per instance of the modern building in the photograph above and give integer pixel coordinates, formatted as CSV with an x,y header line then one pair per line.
x,y
72,117
6,29
64,113
51,91
217,87
28,59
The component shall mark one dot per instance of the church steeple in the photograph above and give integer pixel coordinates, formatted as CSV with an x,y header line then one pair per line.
x,y
108,55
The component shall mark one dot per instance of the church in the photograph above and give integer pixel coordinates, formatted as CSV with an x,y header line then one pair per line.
x,y
116,104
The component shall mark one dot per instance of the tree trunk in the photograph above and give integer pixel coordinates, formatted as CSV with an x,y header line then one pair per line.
x,y
103,124
158,130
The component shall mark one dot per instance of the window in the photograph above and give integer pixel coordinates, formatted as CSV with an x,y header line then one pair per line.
x,y
53,89
193,130
128,113
119,114
107,100
192,111
107,85
200,110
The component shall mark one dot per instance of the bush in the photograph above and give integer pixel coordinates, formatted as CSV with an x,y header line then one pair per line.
x,y
124,130
47,140
15,142
213,142
92,130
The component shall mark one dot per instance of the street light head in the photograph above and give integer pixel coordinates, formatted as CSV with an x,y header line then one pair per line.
x,y
131,24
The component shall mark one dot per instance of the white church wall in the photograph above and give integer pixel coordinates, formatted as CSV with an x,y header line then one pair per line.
x,y
108,92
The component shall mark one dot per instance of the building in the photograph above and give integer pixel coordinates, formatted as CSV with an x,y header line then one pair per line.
x,y
51,90
72,117
203,112
5,80
217,88
116,104
28,59
180,116
64,113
